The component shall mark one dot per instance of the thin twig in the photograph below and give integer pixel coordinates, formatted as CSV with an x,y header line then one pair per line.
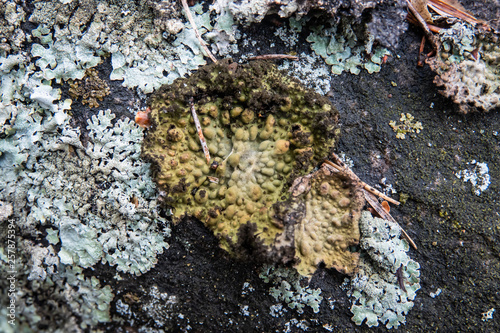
x,y
191,20
213,179
343,167
421,60
423,25
274,56
228,155
200,132
372,200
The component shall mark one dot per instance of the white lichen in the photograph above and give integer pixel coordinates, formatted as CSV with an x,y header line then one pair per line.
x,y
477,175
488,314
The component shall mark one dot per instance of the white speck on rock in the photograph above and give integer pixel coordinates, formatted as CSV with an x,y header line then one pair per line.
x,y
478,176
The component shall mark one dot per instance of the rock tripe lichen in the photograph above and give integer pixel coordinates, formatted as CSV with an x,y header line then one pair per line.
x,y
263,130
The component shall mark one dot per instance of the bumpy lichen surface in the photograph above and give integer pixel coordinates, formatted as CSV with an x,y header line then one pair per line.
x,y
262,129
329,228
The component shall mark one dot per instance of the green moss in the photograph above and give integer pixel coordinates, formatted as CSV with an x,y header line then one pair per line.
x,y
262,129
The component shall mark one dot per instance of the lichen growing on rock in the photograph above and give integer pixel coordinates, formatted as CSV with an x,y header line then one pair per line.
x,y
12,35
407,125
468,67
262,129
329,228
387,281
288,289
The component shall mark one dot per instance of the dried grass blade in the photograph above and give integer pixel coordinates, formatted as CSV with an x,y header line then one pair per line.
x,y
200,133
372,200
452,9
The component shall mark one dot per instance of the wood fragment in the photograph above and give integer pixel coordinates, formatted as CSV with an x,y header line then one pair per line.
x,y
274,56
372,200
343,167
421,59
451,8
421,22
200,132
421,7
213,179
191,20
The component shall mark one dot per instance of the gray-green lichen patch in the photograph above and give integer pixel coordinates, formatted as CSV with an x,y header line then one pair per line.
x,y
343,50
92,204
145,41
12,36
387,281
288,289
262,130
468,67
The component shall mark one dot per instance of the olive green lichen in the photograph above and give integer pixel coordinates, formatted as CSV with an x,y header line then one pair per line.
x,y
329,228
263,130
408,125
91,88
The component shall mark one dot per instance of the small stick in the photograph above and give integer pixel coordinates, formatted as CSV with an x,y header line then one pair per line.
x,y
228,155
420,61
424,26
200,132
367,187
213,179
191,20
274,56
372,200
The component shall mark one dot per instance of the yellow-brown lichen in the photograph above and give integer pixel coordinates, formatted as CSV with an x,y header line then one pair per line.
x,y
332,204
90,88
262,128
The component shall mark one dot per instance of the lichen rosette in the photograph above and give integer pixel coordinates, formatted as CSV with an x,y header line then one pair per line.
x,y
263,130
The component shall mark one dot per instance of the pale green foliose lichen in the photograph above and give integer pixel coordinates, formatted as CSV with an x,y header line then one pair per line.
x,y
343,50
377,294
287,288
95,201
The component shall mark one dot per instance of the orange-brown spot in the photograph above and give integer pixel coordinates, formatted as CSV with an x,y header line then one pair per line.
x,y
386,207
142,118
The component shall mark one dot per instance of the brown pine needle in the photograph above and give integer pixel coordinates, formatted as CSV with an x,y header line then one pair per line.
x,y
200,132
343,167
191,20
274,56
454,9
423,25
372,200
